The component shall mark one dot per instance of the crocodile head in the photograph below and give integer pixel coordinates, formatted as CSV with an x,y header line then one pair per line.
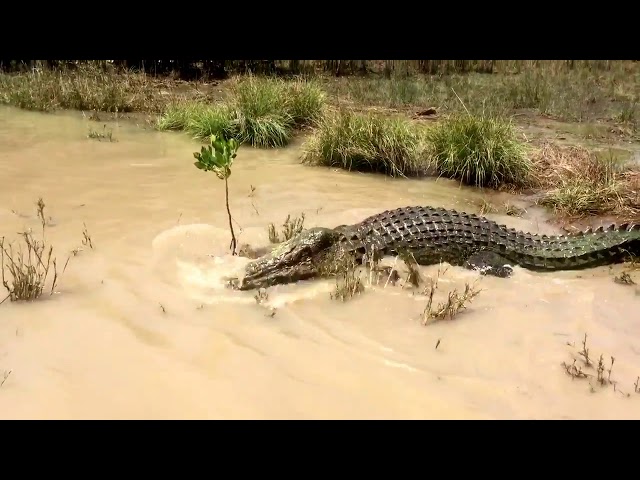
x,y
293,260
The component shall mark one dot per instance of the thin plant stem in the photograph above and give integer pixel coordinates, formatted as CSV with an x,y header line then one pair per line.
x,y
234,243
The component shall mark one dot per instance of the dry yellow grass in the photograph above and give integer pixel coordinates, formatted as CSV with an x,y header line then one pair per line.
x,y
579,183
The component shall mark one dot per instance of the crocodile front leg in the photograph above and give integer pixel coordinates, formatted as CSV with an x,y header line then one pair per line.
x,y
489,263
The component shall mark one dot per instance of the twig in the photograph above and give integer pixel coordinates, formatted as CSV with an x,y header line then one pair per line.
x,y
391,272
463,105
6,375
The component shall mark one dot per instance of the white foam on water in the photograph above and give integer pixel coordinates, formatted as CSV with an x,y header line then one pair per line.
x,y
196,258
301,291
207,282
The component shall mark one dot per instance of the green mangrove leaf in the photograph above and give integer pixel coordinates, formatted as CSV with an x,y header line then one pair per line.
x,y
218,156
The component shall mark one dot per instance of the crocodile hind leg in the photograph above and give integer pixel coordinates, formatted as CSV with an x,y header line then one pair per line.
x,y
489,263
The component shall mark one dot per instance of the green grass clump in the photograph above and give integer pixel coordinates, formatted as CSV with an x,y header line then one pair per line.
x,y
266,131
479,151
219,120
200,119
263,117
269,109
367,142
177,115
263,112
306,102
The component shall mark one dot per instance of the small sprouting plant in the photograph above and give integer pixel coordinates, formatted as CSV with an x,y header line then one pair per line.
x,y
218,157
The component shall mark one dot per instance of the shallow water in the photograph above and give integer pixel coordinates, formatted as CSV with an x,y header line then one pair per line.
x,y
141,326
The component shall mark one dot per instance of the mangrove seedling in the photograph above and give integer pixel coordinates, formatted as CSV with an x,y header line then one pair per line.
x,y
217,157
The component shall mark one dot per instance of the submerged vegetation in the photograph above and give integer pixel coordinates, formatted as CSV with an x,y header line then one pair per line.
x,y
455,303
103,135
598,375
349,283
26,268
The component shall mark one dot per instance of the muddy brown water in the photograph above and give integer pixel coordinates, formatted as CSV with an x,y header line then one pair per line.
x,y
141,325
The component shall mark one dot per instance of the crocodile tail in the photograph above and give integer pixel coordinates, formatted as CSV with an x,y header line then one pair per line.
x,y
585,249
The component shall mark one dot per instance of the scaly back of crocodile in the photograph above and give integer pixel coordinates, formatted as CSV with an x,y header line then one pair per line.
x,y
436,234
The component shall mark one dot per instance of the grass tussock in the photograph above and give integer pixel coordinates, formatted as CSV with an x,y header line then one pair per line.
x,y
580,183
201,120
86,88
176,115
26,268
262,112
219,120
479,151
367,142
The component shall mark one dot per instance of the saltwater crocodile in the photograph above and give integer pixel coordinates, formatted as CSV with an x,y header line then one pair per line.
x,y
434,235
